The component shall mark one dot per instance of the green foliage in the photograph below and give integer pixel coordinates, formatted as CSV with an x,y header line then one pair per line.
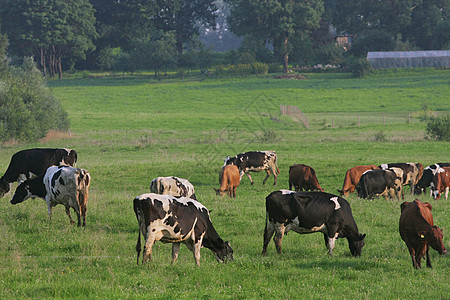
x,y
358,66
241,70
28,110
373,40
439,128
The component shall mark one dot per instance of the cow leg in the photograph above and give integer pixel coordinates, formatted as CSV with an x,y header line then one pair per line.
x,y
428,258
268,232
446,192
278,238
83,214
197,247
249,177
234,192
147,253
267,176
175,250
69,215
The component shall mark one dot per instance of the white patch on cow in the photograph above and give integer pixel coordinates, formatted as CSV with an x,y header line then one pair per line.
x,y
226,160
366,172
384,166
336,203
295,225
286,192
167,199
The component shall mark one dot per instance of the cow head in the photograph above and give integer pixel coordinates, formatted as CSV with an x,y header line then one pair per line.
x,y
71,158
224,252
434,237
22,193
219,192
356,244
4,187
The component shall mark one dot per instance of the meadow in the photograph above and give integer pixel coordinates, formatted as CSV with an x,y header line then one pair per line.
x,y
129,130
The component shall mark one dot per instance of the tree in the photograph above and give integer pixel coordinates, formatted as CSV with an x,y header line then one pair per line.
x,y
183,17
50,30
275,21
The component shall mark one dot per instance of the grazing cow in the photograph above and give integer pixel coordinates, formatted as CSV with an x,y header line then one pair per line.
x,y
398,182
30,163
174,186
303,177
229,181
418,232
379,182
59,185
427,178
352,177
308,212
411,172
441,182
255,161
175,220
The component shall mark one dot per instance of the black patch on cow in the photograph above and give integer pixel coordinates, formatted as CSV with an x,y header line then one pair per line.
x,y
61,181
55,177
170,221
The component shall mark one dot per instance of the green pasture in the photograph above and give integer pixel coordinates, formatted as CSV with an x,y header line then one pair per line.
x,y
129,130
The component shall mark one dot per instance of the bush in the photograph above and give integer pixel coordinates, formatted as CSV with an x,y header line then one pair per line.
x,y
439,128
28,110
260,68
358,66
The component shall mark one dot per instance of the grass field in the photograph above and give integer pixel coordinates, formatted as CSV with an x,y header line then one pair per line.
x,y
128,131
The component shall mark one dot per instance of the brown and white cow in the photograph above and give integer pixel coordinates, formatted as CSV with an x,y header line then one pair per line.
x,y
352,177
427,178
303,178
176,220
255,161
174,186
412,172
417,230
441,182
30,163
59,185
229,181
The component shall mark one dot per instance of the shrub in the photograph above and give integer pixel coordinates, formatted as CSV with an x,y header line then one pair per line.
x,y
260,68
439,128
28,110
358,66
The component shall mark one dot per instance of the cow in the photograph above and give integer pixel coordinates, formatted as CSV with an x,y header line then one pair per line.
x,y
303,177
30,163
308,212
412,172
418,231
176,220
398,182
255,161
427,178
229,181
174,186
441,182
64,185
379,182
352,177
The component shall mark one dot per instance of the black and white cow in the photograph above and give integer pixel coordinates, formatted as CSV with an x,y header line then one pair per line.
x,y
59,185
255,161
174,186
411,172
308,212
170,219
379,182
30,163
426,181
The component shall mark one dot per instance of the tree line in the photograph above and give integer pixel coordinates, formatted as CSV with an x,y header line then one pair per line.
x,y
126,35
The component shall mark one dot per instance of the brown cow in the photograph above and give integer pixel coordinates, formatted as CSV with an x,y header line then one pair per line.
x,y
229,180
418,232
303,178
441,182
352,178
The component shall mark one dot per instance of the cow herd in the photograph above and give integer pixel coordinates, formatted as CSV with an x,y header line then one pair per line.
x,y
171,212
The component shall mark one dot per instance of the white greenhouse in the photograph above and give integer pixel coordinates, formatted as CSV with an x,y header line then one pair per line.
x,y
410,59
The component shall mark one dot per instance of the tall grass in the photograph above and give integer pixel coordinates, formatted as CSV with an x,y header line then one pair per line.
x,y
128,131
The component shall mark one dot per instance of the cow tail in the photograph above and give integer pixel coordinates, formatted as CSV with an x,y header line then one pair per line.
x,y
138,244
